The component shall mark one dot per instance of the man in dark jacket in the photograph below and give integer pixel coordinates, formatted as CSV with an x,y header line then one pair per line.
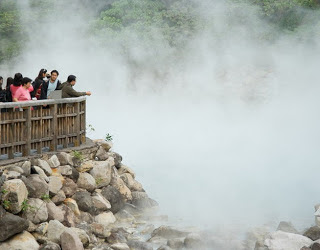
x,y
51,85
67,88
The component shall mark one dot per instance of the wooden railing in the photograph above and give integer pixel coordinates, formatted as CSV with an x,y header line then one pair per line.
x,y
31,127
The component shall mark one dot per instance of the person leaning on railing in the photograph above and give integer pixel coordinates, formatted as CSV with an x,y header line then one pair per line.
x,y
67,88
23,94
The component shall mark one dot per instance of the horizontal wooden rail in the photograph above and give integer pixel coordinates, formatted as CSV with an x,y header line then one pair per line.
x,y
34,126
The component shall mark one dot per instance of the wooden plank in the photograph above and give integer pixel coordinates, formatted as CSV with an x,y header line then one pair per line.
x,y
54,127
27,132
77,125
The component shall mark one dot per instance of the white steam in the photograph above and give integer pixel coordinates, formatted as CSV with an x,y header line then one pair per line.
x,y
227,133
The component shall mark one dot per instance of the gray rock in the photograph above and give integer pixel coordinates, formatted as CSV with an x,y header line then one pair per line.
x,y
26,167
315,246
10,175
100,230
287,227
84,201
86,166
168,232
75,175
55,184
114,197
16,193
65,159
313,233
142,201
102,246
58,198
124,215
100,203
35,210
131,183
117,158
69,216
139,245
87,182
132,209
10,225
45,167
193,241
2,212
65,170
70,240
40,172
54,212
36,186
163,247
50,246
55,229
120,246
123,169
21,241
105,218
116,237
72,204
176,243
83,236
101,172
54,161
69,187
85,217
283,240
101,154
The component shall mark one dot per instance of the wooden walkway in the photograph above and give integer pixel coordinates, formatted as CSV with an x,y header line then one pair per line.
x,y
33,126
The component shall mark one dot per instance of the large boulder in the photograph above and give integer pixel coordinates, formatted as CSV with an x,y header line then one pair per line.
x,y
86,166
117,158
65,170
22,241
100,203
84,201
119,184
70,240
287,227
35,210
114,197
280,240
101,154
14,194
54,212
105,218
83,236
69,187
55,184
50,246
37,186
58,198
55,229
10,225
54,161
26,167
87,182
39,171
65,159
168,232
101,172
69,216
131,183
313,233
123,169
141,200
44,166
72,204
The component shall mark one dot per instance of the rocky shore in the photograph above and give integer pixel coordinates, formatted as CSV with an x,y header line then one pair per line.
x,y
86,199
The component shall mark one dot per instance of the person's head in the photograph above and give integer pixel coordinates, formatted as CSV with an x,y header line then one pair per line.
x,y
72,79
17,80
42,74
54,75
9,82
26,82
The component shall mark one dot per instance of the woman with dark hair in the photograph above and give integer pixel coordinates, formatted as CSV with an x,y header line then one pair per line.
x,y
17,80
3,93
38,83
9,83
23,93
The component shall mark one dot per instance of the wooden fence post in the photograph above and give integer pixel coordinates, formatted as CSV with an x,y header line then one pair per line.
x,y
77,124
54,127
27,132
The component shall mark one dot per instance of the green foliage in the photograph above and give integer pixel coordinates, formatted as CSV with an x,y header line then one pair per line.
x,y
99,180
108,137
4,191
25,206
286,14
77,155
6,204
90,128
45,197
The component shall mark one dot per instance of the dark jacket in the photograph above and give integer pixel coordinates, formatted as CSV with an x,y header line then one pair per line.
x,y
36,84
68,91
44,89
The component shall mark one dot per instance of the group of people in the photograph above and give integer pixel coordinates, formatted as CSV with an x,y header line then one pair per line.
x,y
21,88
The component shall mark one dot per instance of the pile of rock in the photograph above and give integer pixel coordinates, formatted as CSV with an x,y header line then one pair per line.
x,y
287,237
64,202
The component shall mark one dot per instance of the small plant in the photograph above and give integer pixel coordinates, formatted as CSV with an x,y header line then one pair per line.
x,y
6,204
77,155
90,128
108,137
99,180
4,191
45,197
25,206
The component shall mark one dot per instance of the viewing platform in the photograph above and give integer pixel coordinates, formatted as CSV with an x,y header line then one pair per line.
x,y
33,127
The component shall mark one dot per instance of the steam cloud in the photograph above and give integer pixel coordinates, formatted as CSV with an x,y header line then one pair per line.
x,y
226,134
